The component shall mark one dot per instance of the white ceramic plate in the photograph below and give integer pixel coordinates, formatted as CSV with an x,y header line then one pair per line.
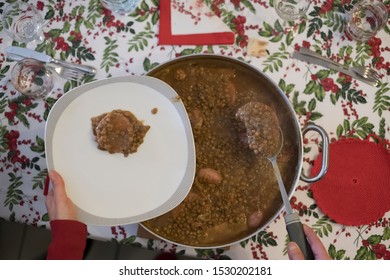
x,y
110,189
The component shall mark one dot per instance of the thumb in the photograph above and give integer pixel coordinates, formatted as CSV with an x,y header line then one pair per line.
x,y
294,253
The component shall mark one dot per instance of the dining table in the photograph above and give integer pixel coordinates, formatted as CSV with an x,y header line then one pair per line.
x,y
82,31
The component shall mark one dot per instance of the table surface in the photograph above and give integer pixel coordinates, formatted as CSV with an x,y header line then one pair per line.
x,y
81,31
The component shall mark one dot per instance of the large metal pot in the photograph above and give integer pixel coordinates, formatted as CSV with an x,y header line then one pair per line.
x,y
270,93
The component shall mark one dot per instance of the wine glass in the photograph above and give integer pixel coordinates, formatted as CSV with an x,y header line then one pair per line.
x,y
366,19
120,6
23,22
31,78
291,10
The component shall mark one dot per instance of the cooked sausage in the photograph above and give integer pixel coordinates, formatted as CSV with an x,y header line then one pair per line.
x,y
231,92
209,176
196,118
255,219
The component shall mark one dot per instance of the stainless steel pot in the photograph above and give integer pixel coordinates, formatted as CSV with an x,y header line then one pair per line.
x,y
286,115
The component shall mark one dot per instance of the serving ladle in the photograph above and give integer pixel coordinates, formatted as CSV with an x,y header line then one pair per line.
x,y
254,121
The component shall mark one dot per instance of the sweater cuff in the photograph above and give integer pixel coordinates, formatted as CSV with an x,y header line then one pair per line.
x,y
68,240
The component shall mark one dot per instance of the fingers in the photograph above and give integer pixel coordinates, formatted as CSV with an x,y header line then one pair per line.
x,y
293,251
316,245
319,250
49,202
58,185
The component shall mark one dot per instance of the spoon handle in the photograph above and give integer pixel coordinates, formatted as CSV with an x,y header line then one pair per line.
x,y
295,232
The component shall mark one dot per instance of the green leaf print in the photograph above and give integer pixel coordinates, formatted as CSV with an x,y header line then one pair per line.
x,y
374,239
130,241
143,12
50,13
323,226
38,146
364,253
40,179
335,21
45,217
265,239
276,33
382,99
14,194
94,13
314,25
3,71
110,57
359,128
336,254
363,51
3,139
211,254
148,66
248,5
382,128
244,243
139,41
289,38
275,60
386,233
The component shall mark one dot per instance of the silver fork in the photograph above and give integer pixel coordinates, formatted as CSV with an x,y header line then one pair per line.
x,y
65,72
367,73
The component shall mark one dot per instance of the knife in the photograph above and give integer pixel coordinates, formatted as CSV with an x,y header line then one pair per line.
x,y
18,53
307,56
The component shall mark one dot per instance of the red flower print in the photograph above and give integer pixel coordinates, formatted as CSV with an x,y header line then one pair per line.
x,y
375,43
326,7
12,137
306,44
347,78
328,85
61,44
239,23
380,251
40,5
215,6
27,101
75,36
236,3
106,12
13,106
334,88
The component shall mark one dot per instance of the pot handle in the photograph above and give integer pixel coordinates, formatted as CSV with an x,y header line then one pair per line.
x,y
325,153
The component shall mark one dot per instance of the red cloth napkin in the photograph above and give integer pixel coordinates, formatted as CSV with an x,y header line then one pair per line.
x,y
356,189
166,37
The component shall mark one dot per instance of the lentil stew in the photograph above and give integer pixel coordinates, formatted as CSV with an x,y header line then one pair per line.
x,y
235,192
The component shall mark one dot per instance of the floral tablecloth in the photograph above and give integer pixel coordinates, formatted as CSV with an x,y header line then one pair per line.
x,y
82,31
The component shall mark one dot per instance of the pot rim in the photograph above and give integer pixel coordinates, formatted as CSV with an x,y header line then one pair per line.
x,y
297,128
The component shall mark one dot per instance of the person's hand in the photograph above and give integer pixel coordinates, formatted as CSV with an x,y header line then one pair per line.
x,y
58,204
319,251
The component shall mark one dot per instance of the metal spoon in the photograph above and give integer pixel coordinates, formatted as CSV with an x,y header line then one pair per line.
x,y
250,115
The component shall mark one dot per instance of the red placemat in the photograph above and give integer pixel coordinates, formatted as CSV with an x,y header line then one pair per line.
x,y
166,37
356,189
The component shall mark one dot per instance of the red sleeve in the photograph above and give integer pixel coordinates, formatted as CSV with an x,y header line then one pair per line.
x,y
68,240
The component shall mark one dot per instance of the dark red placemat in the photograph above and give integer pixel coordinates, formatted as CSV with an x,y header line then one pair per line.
x,y
356,188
